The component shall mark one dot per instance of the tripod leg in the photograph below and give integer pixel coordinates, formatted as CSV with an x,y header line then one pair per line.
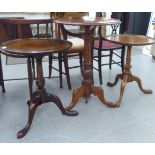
x,y
32,109
118,76
137,79
55,99
123,84
98,91
77,93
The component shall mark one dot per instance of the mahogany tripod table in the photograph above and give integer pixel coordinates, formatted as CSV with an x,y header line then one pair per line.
x,y
87,87
37,49
129,41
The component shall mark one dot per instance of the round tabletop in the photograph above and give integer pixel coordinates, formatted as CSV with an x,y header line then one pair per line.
x,y
131,39
86,20
34,46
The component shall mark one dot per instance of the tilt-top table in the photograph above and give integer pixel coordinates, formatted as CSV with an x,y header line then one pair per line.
x,y
129,41
87,87
37,49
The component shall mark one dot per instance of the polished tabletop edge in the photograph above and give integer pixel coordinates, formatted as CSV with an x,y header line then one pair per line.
x,y
86,20
34,46
131,39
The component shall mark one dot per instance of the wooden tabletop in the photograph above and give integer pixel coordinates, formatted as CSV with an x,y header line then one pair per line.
x,y
92,21
34,46
131,39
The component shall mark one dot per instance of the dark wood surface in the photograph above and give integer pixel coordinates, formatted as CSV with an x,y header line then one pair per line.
x,y
25,21
37,48
33,46
87,88
129,41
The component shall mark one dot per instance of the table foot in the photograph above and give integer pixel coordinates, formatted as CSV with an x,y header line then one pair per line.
x,y
98,91
138,80
77,93
32,109
118,76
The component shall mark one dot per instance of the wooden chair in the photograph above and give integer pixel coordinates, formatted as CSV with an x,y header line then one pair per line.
x,y
27,28
74,37
101,45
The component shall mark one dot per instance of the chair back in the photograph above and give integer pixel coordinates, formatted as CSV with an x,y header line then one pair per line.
x,y
27,28
60,28
8,32
125,18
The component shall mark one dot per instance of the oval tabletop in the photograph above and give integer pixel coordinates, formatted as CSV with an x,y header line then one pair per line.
x,y
131,39
91,21
35,46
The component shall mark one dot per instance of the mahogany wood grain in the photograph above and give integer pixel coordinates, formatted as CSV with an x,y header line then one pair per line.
x,y
37,49
34,47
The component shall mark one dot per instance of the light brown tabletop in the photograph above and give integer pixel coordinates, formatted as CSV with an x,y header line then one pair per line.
x,y
91,21
131,39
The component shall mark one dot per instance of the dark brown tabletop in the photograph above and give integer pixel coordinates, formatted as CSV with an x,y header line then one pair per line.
x,y
93,21
34,46
131,39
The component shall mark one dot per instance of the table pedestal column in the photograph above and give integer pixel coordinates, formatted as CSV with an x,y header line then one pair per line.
x,y
87,87
40,96
127,76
